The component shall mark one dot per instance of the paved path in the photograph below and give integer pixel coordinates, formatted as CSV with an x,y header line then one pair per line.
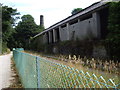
x,y
5,70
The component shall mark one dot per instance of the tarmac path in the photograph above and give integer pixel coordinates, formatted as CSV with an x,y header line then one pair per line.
x,y
5,70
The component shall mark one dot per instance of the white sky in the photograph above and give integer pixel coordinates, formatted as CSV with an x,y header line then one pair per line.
x,y
53,10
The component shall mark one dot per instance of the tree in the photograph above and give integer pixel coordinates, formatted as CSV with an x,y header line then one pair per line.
x,y
25,29
113,37
8,21
76,10
9,17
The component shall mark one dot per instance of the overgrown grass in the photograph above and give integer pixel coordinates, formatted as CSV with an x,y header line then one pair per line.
x,y
78,66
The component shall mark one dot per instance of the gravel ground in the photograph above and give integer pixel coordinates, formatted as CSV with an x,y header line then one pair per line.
x,y
5,70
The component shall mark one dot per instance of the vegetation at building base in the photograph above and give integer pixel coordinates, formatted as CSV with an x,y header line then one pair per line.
x,y
113,37
71,47
83,48
35,46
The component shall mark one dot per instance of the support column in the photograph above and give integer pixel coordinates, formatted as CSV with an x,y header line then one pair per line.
x,y
68,32
54,36
44,38
49,37
78,20
60,33
96,25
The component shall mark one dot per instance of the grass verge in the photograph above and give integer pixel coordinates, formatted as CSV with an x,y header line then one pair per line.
x,y
15,82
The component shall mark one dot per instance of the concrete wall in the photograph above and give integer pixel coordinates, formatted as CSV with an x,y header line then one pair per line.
x,y
84,29
50,37
44,40
96,24
88,28
64,33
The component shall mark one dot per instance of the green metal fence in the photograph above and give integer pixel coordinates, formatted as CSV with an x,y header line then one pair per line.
x,y
36,72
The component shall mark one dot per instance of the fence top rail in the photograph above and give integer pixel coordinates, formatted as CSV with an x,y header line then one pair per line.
x,y
25,53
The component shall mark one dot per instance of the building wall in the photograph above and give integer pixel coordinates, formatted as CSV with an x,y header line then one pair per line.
x,y
44,40
81,28
64,33
85,29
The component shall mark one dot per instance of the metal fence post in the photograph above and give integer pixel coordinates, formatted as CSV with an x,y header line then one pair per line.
x,y
38,72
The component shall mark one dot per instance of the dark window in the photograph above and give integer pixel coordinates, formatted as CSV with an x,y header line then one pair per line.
x,y
86,17
73,35
73,22
57,35
63,26
104,22
51,34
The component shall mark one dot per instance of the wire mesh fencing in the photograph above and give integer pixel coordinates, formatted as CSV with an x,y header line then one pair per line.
x,y
36,72
26,67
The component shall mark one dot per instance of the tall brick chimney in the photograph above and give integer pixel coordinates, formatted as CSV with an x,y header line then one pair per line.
x,y
41,20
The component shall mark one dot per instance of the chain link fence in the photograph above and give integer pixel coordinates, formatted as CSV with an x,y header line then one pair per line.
x,y
36,72
26,67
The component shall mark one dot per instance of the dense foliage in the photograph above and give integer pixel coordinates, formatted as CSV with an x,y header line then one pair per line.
x,y
9,16
76,10
26,29
113,38
8,21
17,36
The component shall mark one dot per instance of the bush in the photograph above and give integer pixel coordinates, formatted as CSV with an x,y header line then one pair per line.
x,y
113,37
5,48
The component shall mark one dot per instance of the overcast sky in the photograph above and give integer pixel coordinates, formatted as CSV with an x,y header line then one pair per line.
x,y
53,10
